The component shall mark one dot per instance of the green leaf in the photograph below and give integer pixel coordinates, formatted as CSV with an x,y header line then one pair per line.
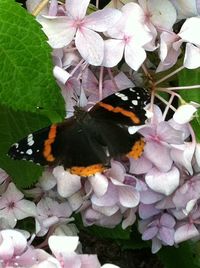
x,y
188,78
184,256
14,126
26,80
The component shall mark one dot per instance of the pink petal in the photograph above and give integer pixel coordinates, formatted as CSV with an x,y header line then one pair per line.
x,y
77,8
59,30
12,194
167,235
107,211
168,134
147,211
101,20
109,199
167,220
159,155
134,56
185,232
117,171
128,197
113,52
130,218
90,45
140,166
183,154
164,183
150,233
89,261
47,181
67,183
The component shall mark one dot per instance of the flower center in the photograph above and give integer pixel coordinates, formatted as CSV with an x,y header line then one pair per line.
x,y
79,23
11,205
127,39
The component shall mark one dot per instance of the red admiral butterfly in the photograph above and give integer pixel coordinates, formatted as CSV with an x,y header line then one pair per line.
x,y
85,142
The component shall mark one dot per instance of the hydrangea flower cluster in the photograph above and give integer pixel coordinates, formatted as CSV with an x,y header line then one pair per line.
x,y
162,188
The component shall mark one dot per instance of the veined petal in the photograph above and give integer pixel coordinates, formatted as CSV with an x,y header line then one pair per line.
x,y
163,182
128,196
163,13
185,232
101,20
67,183
59,30
134,56
24,209
99,184
76,8
90,45
113,52
192,56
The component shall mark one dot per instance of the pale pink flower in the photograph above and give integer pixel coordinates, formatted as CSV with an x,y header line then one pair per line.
x,y
14,207
49,213
129,36
61,30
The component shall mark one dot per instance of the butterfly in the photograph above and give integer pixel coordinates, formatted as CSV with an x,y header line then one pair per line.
x,y
86,142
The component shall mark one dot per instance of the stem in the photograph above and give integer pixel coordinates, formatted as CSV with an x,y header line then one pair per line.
x,y
77,66
167,107
97,4
165,102
169,75
40,7
101,83
180,88
170,92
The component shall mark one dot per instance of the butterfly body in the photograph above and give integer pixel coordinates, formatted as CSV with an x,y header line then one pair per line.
x,y
89,138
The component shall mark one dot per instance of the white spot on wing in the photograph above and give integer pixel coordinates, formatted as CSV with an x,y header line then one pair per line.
x,y
30,139
135,102
29,152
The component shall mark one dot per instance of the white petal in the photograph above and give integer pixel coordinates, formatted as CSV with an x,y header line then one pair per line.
x,y
113,52
197,153
6,247
77,8
192,56
163,13
61,75
99,184
184,113
24,209
67,183
190,31
102,20
59,31
90,45
60,244
161,182
134,56
18,240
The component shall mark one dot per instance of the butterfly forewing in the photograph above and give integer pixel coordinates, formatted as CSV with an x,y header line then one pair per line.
x,y
88,138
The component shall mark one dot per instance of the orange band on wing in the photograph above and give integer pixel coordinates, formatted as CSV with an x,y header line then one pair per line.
x,y
87,171
137,149
117,109
48,142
